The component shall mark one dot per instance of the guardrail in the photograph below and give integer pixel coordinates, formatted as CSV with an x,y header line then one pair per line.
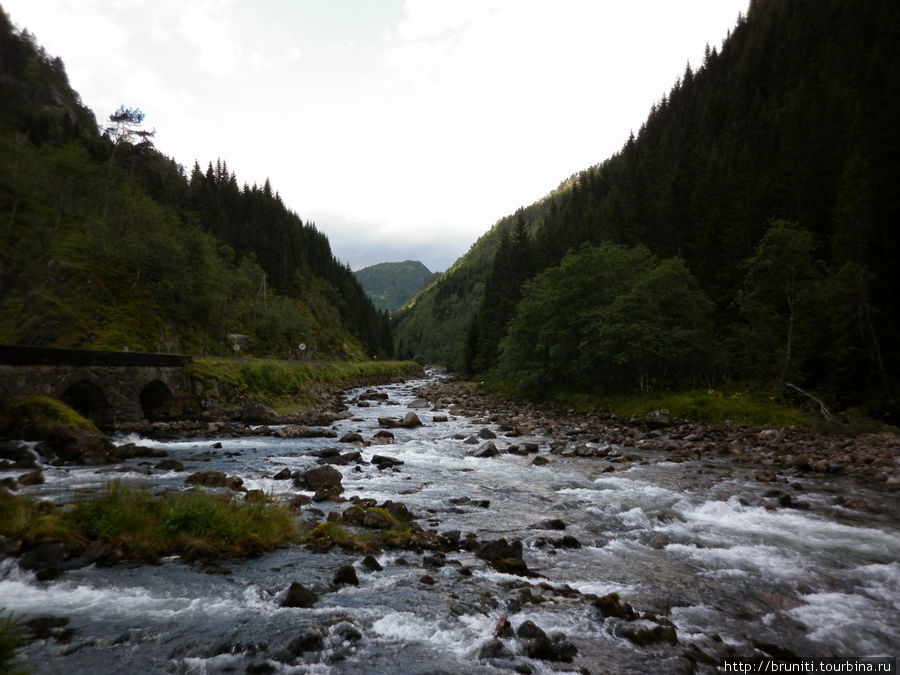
x,y
16,355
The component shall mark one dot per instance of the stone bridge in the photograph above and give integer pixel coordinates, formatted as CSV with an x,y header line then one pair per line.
x,y
111,388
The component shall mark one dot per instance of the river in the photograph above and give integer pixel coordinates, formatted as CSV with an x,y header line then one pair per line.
x,y
689,543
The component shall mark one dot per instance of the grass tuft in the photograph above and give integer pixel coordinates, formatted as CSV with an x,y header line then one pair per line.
x,y
146,526
11,642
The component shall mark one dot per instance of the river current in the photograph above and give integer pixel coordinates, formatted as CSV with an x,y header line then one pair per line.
x,y
689,542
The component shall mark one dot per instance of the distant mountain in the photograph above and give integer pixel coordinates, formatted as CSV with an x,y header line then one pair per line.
x,y
390,285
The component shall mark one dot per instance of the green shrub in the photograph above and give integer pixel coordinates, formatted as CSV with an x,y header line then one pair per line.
x,y
11,639
37,416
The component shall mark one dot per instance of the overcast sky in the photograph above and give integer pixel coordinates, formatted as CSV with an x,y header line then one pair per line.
x,y
403,129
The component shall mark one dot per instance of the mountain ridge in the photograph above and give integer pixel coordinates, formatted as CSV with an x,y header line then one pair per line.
x,y
391,284
783,132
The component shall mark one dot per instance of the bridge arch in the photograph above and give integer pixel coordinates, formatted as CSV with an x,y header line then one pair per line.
x,y
89,399
156,400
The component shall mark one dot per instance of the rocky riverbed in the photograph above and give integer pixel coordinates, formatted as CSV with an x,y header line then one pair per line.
x,y
451,531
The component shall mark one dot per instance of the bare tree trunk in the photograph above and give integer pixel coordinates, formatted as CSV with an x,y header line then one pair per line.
x,y
789,342
822,407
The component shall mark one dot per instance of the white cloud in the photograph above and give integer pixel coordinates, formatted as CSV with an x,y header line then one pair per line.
x,y
434,123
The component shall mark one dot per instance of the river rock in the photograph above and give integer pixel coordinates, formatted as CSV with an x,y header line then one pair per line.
x,y
539,645
494,649
410,421
207,478
328,492
80,446
372,395
658,418
383,462
299,595
398,510
314,479
371,564
132,450
382,437
256,413
169,465
551,524
611,605
418,403
375,520
540,460
311,640
646,635
853,502
302,431
346,575
499,549
486,434
47,559
284,474
32,478
485,450
352,437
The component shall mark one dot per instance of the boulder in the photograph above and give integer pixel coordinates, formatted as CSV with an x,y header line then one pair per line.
x,y
346,575
382,437
499,548
316,478
80,446
32,478
658,418
375,520
302,431
256,413
383,462
207,478
418,403
539,645
485,450
311,640
612,605
371,564
494,649
398,510
328,492
410,421
299,595
646,635
551,524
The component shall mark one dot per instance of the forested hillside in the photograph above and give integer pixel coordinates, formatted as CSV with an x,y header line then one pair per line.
x,y
106,243
746,233
391,284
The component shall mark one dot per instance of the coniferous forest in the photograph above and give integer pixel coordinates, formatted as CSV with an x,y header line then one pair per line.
x,y
106,243
747,232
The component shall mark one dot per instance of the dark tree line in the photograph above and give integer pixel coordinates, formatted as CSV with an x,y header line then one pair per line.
x,y
770,171
105,242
